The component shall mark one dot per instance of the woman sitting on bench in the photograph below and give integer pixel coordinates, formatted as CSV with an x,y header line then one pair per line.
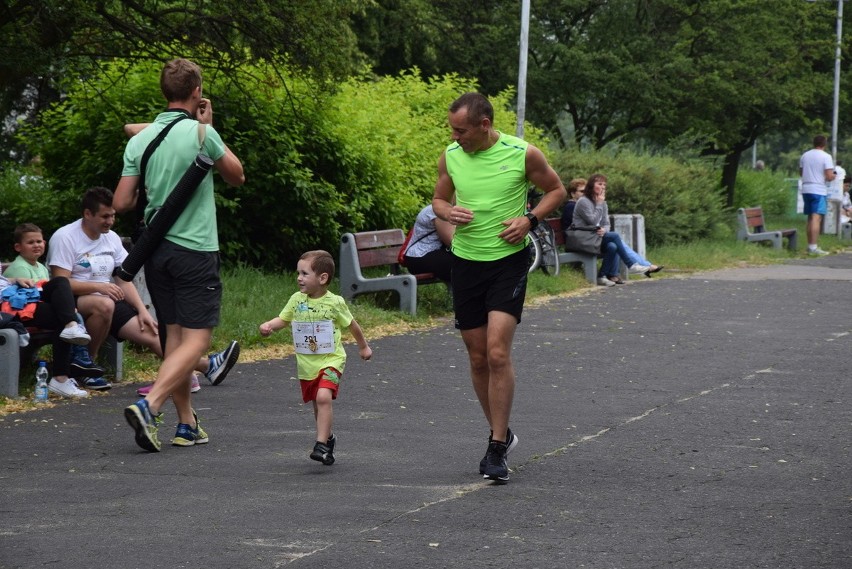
x,y
591,211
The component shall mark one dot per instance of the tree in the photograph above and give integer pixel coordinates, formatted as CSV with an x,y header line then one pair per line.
x,y
45,40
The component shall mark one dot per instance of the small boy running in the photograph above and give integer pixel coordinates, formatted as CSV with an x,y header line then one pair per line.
x,y
316,317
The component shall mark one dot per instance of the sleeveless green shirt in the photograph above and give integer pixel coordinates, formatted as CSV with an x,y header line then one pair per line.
x,y
492,184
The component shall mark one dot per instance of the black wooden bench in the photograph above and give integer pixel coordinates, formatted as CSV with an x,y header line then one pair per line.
x,y
369,249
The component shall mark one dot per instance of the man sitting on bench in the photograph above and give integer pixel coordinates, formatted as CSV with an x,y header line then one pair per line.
x,y
87,252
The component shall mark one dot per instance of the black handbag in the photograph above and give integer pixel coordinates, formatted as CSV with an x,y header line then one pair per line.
x,y
579,239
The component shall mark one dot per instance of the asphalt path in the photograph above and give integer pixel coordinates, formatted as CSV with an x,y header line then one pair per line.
x,y
697,422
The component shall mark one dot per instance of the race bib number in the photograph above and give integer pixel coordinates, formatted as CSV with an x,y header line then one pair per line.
x,y
313,337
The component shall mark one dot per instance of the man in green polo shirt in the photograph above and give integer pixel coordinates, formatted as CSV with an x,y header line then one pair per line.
x,y
182,273
482,184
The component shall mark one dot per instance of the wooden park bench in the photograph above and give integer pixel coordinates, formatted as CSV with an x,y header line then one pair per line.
x,y
11,355
751,227
370,249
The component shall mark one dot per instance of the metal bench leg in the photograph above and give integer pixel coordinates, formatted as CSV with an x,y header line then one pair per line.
x,y
591,268
407,298
112,352
10,362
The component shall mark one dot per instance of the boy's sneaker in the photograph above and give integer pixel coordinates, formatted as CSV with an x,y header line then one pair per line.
x,y
68,388
496,468
512,443
323,452
97,383
221,363
139,417
82,365
186,436
75,334
819,252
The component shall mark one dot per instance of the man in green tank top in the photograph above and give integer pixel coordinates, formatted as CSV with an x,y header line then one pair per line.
x,y
482,184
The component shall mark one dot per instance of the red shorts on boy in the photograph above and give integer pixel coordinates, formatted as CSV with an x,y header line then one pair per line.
x,y
328,377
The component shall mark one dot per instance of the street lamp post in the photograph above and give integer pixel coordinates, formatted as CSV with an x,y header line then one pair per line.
x,y
522,67
835,111
836,102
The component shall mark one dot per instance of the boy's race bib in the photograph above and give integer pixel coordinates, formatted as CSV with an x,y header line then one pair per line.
x,y
313,337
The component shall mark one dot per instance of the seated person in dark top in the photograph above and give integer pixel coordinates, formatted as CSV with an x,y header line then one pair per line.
x,y
428,250
575,192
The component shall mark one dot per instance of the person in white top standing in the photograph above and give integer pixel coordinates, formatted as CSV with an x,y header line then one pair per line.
x,y
816,168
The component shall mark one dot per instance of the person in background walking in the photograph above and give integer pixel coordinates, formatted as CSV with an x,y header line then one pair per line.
x,y
182,274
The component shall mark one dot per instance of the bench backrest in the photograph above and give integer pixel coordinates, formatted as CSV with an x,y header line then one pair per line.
x,y
753,217
558,235
376,248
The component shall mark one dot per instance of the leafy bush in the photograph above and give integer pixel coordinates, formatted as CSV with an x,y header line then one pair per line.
x,y
772,191
26,197
680,200
317,163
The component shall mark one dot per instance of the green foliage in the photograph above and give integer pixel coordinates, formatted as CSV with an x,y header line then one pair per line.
x,y
317,164
26,197
680,200
771,191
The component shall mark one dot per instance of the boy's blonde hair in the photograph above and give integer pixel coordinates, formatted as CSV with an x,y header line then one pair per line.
x,y
25,228
321,262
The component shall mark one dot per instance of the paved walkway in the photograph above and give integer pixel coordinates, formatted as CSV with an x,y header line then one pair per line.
x,y
698,422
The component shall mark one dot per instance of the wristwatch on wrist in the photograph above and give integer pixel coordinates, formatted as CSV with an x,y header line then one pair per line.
x,y
533,220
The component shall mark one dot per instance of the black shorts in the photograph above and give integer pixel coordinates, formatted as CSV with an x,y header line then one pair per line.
x,y
482,286
185,286
123,314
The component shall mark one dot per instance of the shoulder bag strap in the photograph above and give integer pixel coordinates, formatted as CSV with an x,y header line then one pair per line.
x,y
142,194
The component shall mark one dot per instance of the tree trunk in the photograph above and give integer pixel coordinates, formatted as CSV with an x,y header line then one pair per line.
x,y
729,174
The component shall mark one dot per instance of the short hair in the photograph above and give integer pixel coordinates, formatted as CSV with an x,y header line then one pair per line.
x,y
820,140
23,228
478,107
589,190
179,79
576,184
321,262
95,197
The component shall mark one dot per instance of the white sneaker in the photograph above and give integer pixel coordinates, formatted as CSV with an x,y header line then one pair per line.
x,y
603,281
817,251
637,269
195,384
67,388
75,334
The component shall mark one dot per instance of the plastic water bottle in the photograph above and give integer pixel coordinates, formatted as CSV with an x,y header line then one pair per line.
x,y
41,382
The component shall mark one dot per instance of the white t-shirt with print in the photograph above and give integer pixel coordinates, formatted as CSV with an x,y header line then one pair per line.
x,y
88,260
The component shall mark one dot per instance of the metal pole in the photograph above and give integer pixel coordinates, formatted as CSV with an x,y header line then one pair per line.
x,y
835,111
522,67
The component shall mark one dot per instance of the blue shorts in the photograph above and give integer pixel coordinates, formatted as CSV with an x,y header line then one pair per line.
x,y
815,203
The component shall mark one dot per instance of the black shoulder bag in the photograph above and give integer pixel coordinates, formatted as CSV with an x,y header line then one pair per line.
x,y
142,193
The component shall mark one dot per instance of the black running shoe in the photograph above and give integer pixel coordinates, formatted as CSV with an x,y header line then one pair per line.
x,y
323,453
496,468
513,442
